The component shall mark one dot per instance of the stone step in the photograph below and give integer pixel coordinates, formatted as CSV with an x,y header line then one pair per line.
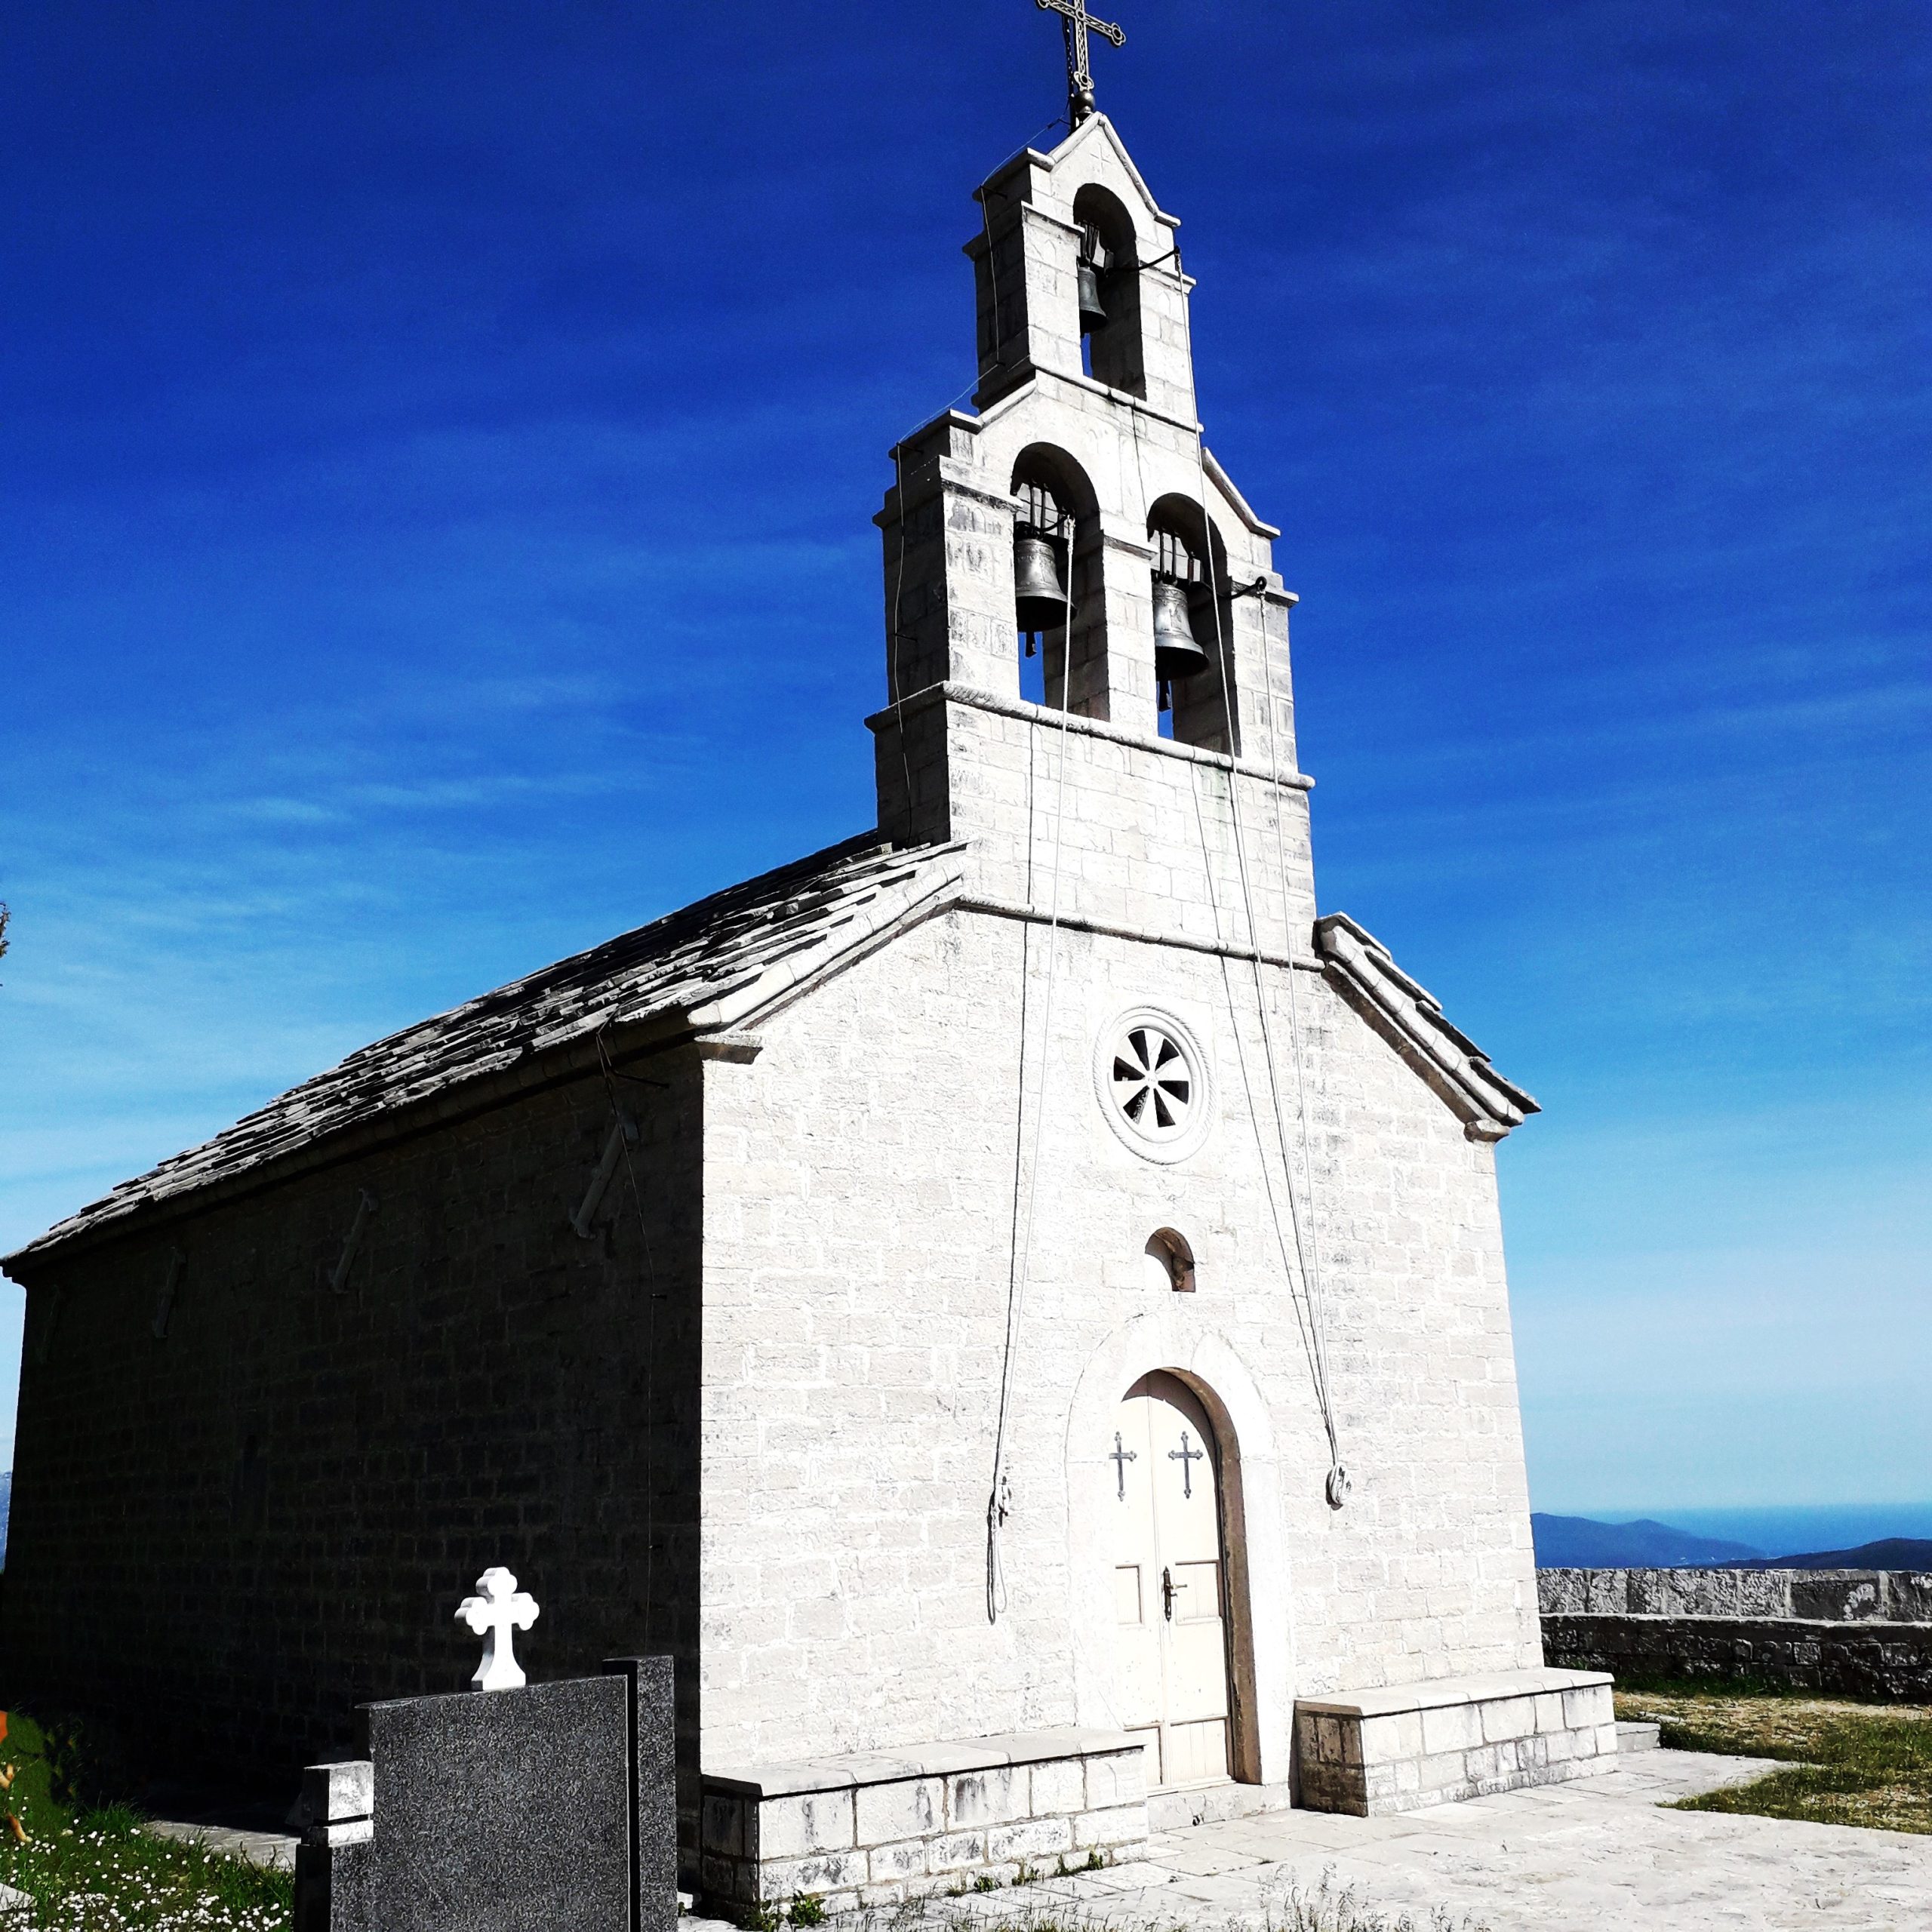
x,y
877,1828
272,1850
1401,1747
1214,1805
1636,1736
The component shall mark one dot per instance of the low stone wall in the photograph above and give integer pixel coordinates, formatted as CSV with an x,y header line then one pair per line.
x,y
878,1829
1863,1632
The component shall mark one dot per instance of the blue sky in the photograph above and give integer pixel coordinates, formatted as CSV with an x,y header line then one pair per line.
x,y
439,447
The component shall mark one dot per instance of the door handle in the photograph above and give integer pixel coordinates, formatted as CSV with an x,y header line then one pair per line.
x,y
1168,1587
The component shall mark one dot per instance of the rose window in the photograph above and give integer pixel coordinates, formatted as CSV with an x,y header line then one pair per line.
x,y
1151,1078
1153,1084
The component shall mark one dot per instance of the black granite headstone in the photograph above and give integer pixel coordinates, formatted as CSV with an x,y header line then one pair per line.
x,y
503,1811
549,1809
654,1790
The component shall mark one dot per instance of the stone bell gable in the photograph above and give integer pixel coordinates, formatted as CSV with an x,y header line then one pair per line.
x,y
1094,429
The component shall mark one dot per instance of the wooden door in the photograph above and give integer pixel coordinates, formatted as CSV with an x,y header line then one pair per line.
x,y
1170,1582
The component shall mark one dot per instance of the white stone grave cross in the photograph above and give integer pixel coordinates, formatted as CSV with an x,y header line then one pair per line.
x,y
501,1607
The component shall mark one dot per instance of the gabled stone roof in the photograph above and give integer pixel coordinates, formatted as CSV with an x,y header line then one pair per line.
x,y
1406,1015
712,966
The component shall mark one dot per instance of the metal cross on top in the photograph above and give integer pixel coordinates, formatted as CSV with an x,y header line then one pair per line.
x,y
1075,21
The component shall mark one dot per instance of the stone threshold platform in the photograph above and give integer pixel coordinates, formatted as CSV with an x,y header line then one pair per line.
x,y
1601,1855
1373,1752
877,1827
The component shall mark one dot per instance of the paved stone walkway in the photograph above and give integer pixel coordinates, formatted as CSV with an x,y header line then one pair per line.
x,y
1597,1853
1595,1856
1588,1857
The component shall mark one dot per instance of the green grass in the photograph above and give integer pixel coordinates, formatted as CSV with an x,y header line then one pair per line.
x,y
90,1867
1852,1763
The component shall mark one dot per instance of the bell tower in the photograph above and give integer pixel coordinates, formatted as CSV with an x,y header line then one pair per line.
x,y
1077,512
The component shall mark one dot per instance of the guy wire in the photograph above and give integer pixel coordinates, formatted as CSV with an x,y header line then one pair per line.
x,y
1021,1252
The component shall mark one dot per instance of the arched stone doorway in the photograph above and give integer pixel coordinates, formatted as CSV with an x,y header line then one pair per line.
x,y
1177,1334
1171,1596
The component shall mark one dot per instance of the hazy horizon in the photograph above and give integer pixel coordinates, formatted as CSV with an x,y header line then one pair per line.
x,y
1781,1532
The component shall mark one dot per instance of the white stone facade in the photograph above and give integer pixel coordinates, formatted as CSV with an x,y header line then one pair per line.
x,y
858,1219
868,1172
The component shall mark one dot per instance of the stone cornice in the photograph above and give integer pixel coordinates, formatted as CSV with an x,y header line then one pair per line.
x,y
1009,909
1411,1020
975,699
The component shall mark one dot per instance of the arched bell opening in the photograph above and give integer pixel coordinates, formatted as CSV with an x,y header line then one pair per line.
x,y
1108,264
1193,615
1058,611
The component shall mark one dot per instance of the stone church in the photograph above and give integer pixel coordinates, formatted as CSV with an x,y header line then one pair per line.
x,y
1013,1303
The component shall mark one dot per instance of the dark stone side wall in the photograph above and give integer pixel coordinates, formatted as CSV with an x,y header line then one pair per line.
x,y
1864,1633
1885,1660
224,1539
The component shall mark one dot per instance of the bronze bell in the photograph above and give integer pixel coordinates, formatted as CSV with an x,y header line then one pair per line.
x,y
1093,311
1092,260
1176,653
1039,590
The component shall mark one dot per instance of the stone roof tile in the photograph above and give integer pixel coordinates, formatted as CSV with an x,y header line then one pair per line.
x,y
718,962
1408,1016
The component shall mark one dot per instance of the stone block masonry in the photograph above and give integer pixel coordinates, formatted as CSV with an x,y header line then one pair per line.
x,y
853,1336
873,1828
226,1538
1422,1744
1808,1596
1865,1633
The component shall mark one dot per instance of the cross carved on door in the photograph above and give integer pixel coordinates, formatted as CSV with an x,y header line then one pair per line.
x,y
1186,1458
1120,1457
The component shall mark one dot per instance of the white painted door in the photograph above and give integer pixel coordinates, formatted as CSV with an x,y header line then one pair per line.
x,y
1168,1589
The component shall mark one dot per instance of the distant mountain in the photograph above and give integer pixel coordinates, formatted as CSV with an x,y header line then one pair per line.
x,y
1578,1543
1887,1553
